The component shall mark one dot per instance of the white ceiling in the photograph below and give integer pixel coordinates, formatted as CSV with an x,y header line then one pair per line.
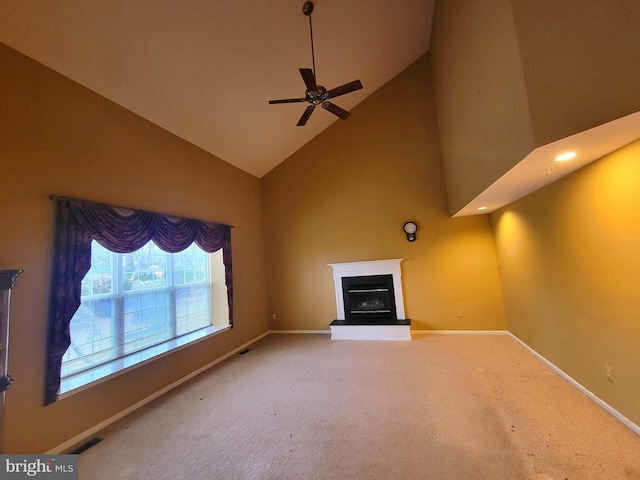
x,y
205,69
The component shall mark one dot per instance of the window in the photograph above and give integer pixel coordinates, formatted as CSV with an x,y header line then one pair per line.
x,y
137,300
136,304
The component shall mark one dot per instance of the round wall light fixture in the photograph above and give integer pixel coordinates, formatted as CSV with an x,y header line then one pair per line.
x,y
410,228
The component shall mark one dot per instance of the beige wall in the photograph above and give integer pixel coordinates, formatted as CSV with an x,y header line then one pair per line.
x,y
480,94
59,138
570,271
345,196
581,63
514,75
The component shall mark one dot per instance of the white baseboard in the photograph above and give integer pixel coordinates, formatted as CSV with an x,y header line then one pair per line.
x,y
300,331
619,416
88,433
459,332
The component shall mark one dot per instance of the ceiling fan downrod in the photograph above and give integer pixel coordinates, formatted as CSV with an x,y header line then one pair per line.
x,y
307,9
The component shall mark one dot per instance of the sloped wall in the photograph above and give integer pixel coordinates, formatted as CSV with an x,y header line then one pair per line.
x,y
483,112
581,63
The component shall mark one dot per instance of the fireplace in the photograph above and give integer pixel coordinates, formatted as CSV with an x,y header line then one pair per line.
x,y
369,301
368,298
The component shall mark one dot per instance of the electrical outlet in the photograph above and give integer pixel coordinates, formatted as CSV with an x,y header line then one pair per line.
x,y
273,316
609,373
460,313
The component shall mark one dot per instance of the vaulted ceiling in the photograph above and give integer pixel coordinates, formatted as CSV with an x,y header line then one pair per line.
x,y
205,69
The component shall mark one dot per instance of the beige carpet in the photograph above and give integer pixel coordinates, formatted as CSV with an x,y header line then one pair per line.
x,y
305,407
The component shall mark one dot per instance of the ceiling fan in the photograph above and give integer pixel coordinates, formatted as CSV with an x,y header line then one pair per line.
x,y
317,94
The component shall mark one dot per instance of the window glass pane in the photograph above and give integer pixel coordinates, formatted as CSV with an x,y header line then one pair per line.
x,y
149,323
193,300
192,308
190,266
99,280
93,336
144,269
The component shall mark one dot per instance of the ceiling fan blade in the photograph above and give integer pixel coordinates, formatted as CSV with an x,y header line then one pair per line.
x,y
346,88
309,79
305,116
336,110
288,100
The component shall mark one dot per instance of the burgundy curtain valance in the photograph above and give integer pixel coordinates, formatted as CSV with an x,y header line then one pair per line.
x,y
125,231
119,230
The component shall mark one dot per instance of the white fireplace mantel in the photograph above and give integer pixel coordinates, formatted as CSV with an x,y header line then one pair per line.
x,y
359,269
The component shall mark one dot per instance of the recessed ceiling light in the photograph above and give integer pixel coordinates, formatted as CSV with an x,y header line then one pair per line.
x,y
566,156
482,208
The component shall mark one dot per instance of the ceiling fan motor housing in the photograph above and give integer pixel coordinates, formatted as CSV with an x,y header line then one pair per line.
x,y
317,96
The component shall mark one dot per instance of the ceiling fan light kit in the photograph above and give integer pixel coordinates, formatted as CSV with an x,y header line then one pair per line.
x,y
317,94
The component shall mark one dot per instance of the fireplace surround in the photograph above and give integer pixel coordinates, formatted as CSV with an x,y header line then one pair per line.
x,y
369,301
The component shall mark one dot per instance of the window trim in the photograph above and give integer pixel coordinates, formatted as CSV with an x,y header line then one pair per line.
x,y
78,382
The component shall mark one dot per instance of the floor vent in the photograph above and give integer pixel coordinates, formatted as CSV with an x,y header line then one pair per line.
x,y
246,350
86,446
